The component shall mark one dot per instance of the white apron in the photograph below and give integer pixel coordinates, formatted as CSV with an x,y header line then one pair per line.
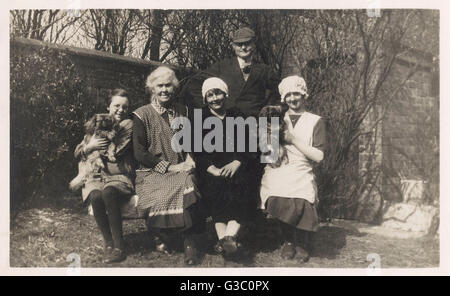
x,y
294,179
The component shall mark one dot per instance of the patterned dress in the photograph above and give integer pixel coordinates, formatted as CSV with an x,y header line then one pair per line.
x,y
166,199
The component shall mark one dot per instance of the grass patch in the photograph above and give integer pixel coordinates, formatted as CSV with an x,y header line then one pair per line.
x,y
43,234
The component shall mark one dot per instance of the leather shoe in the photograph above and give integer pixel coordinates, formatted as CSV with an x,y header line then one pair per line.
x,y
302,254
218,247
190,253
230,245
116,255
288,251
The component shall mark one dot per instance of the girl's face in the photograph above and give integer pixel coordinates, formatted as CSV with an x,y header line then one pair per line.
x,y
215,98
163,90
118,107
294,100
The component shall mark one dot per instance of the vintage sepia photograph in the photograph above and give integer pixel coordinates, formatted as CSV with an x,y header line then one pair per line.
x,y
224,138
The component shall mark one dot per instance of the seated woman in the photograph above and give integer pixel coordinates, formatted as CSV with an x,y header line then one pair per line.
x,y
168,196
114,185
289,192
222,173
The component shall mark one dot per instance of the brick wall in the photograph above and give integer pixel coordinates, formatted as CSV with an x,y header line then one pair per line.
x,y
411,127
50,172
102,71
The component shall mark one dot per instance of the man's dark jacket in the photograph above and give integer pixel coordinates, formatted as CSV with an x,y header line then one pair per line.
x,y
249,96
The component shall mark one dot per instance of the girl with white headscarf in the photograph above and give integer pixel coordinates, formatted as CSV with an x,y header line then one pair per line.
x,y
289,192
222,174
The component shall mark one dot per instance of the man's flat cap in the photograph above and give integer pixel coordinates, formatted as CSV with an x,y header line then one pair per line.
x,y
242,35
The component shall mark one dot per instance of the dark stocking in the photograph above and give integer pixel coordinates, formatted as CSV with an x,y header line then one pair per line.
x,y
305,239
190,242
288,232
111,197
101,217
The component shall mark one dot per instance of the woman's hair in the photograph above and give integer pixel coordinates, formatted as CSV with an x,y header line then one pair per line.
x,y
160,72
116,92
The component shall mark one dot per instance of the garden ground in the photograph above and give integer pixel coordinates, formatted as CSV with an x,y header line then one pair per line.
x,y
44,233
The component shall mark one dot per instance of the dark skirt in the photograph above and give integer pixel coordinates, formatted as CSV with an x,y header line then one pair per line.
x,y
226,199
297,212
123,183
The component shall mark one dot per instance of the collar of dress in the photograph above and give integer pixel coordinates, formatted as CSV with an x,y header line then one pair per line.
x,y
160,109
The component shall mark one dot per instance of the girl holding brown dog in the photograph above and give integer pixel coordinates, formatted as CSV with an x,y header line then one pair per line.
x,y
113,184
289,192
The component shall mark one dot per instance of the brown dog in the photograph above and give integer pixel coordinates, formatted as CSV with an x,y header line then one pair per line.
x,y
279,112
99,126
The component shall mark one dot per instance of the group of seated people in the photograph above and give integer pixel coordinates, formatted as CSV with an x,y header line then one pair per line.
x,y
179,189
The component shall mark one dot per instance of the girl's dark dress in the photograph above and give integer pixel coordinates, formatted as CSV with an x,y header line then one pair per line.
x,y
226,198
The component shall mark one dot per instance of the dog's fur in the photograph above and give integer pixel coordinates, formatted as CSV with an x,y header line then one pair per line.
x,y
276,111
99,126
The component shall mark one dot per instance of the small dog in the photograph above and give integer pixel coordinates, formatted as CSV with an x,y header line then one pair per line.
x,y
269,112
99,126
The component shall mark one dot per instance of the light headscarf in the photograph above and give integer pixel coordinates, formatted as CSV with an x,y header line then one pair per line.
x,y
213,83
291,84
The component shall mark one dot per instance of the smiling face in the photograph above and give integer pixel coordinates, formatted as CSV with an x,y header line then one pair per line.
x,y
215,98
163,90
244,50
294,100
118,107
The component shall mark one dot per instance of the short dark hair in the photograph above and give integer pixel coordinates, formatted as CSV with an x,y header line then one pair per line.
x,y
117,92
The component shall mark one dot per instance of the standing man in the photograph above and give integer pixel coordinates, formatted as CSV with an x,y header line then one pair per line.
x,y
251,85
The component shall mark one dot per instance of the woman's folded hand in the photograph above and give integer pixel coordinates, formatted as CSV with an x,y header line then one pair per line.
x,y
213,170
230,169
185,166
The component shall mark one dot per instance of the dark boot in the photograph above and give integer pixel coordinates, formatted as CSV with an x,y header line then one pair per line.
x,y
230,245
116,255
190,251
218,247
288,251
161,239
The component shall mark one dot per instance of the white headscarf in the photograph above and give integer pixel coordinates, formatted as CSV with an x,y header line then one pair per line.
x,y
214,83
292,83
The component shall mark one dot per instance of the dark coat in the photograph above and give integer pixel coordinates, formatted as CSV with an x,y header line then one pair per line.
x,y
249,96
226,198
219,159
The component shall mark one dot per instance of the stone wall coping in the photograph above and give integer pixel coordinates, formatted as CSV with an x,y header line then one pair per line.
x,y
91,53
